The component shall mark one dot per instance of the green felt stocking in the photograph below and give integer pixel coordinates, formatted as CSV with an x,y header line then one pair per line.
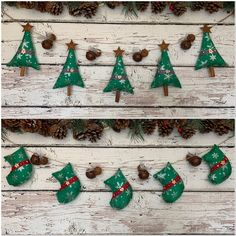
x,y
21,167
70,184
220,167
173,185
122,190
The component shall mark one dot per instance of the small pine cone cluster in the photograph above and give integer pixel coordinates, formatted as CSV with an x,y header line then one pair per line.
x,y
58,131
31,126
28,5
93,131
113,5
149,126
207,126
54,8
212,7
158,7
142,6
222,127
197,6
165,127
186,132
11,124
120,124
46,125
178,8
86,9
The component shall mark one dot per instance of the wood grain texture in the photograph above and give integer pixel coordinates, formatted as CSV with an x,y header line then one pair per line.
x,y
108,37
108,16
198,90
110,159
39,213
122,139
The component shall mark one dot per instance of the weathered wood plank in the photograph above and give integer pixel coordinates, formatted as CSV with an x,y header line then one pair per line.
x,y
198,90
110,159
114,113
194,213
122,139
108,37
106,15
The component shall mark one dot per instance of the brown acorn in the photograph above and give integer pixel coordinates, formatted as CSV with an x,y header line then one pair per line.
x,y
137,57
97,170
90,174
90,55
191,37
35,159
185,44
144,52
142,172
43,160
47,44
193,160
52,37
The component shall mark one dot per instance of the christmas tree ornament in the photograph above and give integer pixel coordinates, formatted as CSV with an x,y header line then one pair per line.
x,y
137,56
35,159
70,73
209,56
165,73
158,7
173,185
122,190
21,168
142,172
220,167
25,55
119,80
70,184
185,44
48,42
193,159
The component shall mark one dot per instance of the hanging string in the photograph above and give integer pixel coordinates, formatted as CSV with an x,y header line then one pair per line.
x,y
78,166
111,53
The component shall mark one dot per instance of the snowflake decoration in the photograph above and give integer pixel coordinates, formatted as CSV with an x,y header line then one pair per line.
x,y
162,176
215,155
213,177
212,57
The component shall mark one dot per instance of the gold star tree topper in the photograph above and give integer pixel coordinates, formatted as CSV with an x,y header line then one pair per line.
x,y
119,52
71,45
206,29
27,27
164,45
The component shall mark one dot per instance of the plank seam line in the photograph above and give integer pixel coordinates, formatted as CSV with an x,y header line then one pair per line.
x,y
124,106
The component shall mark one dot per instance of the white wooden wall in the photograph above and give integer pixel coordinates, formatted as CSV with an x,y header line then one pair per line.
x,y
32,209
200,96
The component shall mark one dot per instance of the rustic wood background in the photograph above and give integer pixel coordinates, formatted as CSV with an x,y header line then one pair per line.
x,y
200,96
32,209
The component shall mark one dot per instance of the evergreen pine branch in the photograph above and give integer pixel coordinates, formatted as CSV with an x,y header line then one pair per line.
x,y
130,9
3,134
108,123
78,125
136,130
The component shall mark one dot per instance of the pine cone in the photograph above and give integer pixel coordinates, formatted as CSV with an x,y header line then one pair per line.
x,y
28,5
12,4
222,127
93,131
149,126
113,5
120,124
213,6
207,126
186,132
41,6
158,7
31,126
197,6
86,9
58,131
178,8
142,6
11,124
54,8
46,125
165,127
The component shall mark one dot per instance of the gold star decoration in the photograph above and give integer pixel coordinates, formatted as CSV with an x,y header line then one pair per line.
x,y
119,52
27,27
206,29
164,45
71,45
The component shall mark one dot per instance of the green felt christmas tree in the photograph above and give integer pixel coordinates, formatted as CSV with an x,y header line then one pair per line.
x,y
70,74
165,75
173,185
209,57
21,170
25,55
122,190
70,184
119,80
220,167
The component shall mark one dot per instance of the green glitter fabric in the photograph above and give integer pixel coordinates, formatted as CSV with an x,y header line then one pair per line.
x,y
22,173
